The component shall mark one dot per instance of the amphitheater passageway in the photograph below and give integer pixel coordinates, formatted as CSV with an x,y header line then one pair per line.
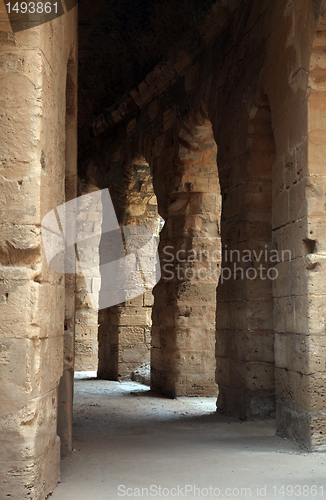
x,y
128,439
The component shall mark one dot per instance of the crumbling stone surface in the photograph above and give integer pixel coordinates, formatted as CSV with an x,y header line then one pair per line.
x,y
32,306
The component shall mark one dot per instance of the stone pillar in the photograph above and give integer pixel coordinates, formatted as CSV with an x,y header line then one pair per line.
x,y
86,338
125,329
32,303
127,345
245,336
183,332
299,226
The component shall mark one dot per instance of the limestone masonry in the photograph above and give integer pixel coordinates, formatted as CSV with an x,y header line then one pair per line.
x,y
208,126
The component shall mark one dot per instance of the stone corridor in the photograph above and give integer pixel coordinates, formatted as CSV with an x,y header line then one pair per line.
x,y
162,215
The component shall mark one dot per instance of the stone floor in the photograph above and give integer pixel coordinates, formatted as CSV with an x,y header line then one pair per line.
x,y
131,443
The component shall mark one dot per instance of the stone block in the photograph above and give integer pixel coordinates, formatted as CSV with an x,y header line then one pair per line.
x,y
162,360
18,103
135,302
29,428
138,354
205,203
34,478
189,339
18,303
255,376
148,298
291,237
293,424
169,119
289,281
315,194
156,337
65,410
284,314
278,176
311,392
246,345
318,432
195,384
86,317
22,363
83,348
316,317
223,371
281,135
281,209
298,201
131,316
285,386
131,335
228,401
223,315
48,311
301,353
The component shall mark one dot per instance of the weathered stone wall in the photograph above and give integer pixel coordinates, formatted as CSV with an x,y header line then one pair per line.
x,y
32,166
248,90
299,212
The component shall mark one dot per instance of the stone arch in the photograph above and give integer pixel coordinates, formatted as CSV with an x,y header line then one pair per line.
x,y
187,188
245,334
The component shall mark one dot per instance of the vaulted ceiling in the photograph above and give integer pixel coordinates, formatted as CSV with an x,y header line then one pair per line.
x,y
121,41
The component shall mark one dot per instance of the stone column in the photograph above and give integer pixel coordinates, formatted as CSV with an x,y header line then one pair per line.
x,y
244,323
299,222
32,304
183,332
125,329
87,322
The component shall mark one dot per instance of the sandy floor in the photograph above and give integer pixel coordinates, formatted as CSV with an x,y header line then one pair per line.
x,y
130,443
